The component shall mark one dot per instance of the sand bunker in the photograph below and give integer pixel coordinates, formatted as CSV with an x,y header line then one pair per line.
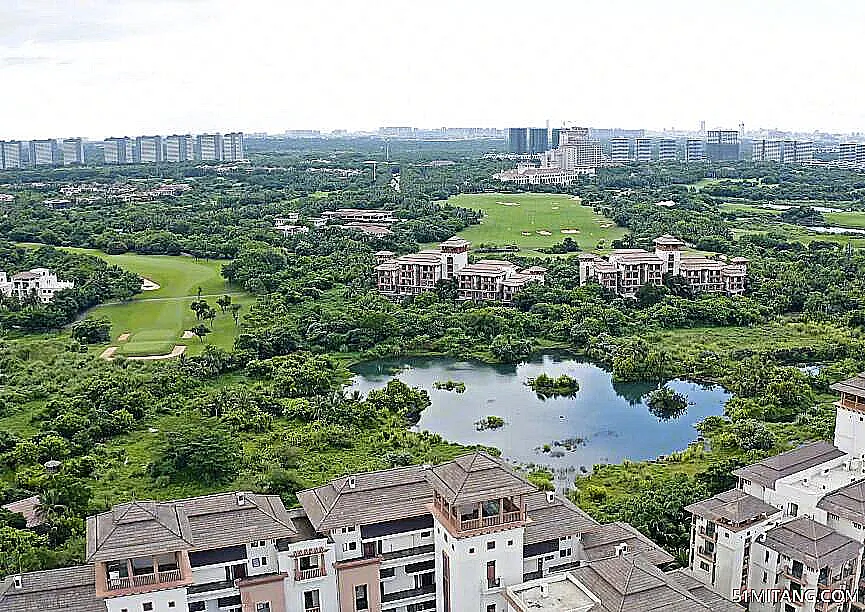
x,y
545,233
188,334
570,231
509,203
555,208
109,352
148,285
123,337
526,233
175,352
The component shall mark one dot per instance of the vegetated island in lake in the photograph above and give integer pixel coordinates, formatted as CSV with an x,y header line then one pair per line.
x,y
666,404
546,386
450,385
490,422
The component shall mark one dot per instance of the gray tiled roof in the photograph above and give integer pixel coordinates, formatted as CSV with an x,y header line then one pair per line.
x,y
27,508
848,502
601,543
631,583
853,386
554,519
384,495
142,528
733,508
703,593
476,477
768,471
815,545
70,589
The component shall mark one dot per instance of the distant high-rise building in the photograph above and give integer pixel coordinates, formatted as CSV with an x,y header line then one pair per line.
x,y
722,145
620,150
11,154
766,151
847,152
149,149
518,140
804,151
610,133
73,151
119,150
703,127
694,150
210,147
538,140
667,149
179,148
576,150
44,152
643,149
783,151
555,134
232,146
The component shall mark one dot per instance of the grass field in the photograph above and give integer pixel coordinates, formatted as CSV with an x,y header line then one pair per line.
x,y
519,218
846,219
156,319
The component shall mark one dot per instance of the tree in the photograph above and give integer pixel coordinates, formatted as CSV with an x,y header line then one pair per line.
x,y
20,550
667,404
201,331
235,313
224,303
92,331
199,451
510,349
400,399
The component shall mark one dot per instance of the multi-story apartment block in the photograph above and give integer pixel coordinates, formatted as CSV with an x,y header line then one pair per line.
x,y
517,140
626,270
783,151
210,147
620,150
119,150
179,148
695,150
486,280
667,149
766,151
794,523
11,154
538,140
73,151
847,153
232,147
44,152
722,145
463,536
532,175
576,150
643,149
149,149
40,283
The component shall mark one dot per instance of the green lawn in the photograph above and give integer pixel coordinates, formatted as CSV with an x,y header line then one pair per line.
x,y
157,319
519,219
846,219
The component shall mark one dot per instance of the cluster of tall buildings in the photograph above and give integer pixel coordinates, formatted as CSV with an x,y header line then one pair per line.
x,y
783,151
16,154
174,148
574,153
851,153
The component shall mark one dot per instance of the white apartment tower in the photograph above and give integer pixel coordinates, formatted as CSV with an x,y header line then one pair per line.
x,y
667,149
643,149
179,148
119,150
149,149
620,150
210,147
11,154
232,146
695,150
43,152
73,151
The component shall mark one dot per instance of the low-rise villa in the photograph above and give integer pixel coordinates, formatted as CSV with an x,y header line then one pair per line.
x,y
39,282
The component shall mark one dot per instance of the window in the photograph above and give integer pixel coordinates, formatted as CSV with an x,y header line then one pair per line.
x,y
309,562
491,608
197,606
147,606
704,566
262,606
510,542
310,600
350,529
347,546
387,572
765,577
766,559
263,561
491,545
565,552
256,562
833,517
471,550
857,525
235,572
425,534
361,598
171,604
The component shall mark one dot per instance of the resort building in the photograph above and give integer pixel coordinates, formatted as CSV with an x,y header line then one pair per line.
x,y
358,215
532,175
485,280
38,282
626,270
794,523
466,535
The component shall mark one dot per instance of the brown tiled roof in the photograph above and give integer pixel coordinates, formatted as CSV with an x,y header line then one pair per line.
x,y
734,508
475,478
768,471
631,583
700,591
553,519
384,495
601,543
137,529
815,545
27,508
668,239
71,589
848,502
853,386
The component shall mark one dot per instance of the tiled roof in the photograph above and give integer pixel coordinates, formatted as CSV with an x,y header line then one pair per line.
x,y
601,543
733,508
475,478
668,239
815,545
768,471
554,518
694,263
71,589
27,508
853,386
137,529
848,502
700,591
376,496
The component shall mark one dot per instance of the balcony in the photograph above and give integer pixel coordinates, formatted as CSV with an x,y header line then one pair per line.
x,y
705,554
491,584
427,589
142,574
309,574
408,552
132,582
712,535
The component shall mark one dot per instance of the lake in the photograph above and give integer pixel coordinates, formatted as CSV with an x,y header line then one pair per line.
x,y
611,419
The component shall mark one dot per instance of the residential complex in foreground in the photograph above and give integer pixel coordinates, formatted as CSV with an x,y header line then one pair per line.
x,y
795,523
468,535
624,271
485,280
40,283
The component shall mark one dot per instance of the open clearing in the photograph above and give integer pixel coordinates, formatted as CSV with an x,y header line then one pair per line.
x,y
155,320
537,220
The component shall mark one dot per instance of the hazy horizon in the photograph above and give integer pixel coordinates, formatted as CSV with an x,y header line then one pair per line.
x,y
128,67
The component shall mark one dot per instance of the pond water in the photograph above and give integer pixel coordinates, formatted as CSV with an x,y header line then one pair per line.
x,y
610,420
836,230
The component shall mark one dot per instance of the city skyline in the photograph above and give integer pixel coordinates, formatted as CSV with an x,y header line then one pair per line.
x,y
273,66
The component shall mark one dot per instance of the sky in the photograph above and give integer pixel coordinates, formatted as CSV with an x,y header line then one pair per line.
x,y
98,68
